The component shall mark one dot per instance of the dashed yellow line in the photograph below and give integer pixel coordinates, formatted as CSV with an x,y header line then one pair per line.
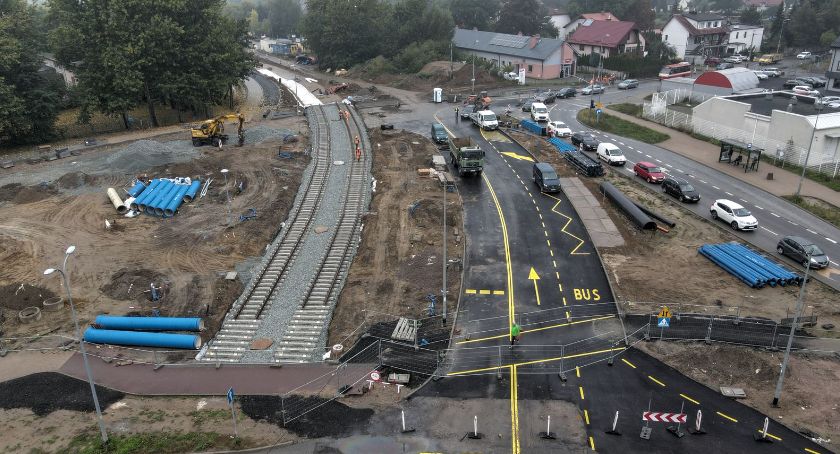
x,y
551,251
812,451
554,262
656,381
498,292
726,416
628,363
577,371
582,397
548,242
689,399
557,275
484,292
591,442
568,315
564,298
586,416
472,291
770,435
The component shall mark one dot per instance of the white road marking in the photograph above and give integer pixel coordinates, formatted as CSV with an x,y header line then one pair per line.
x,y
648,155
829,239
621,143
764,228
658,161
628,146
729,194
702,181
679,170
639,151
716,188
774,214
759,207
692,176
811,231
743,200
791,222
669,165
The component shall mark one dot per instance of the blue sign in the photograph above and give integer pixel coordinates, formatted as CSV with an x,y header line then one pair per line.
x,y
664,322
230,395
598,111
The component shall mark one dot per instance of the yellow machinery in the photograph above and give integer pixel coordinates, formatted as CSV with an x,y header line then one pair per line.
x,y
213,131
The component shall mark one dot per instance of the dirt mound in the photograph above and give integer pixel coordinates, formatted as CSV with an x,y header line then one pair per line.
x,y
46,392
462,76
18,296
440,67
19,194
133,284
429,213
74,180
332,419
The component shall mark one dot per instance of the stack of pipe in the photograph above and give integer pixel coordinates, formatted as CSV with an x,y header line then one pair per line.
x,y
163,197
116,330
751,268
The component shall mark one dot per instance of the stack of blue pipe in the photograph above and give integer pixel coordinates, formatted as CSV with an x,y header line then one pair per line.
x,y
163,197
115,330
534,127
561,145
750,267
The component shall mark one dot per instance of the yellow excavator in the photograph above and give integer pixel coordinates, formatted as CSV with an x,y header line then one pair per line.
x,y
212,131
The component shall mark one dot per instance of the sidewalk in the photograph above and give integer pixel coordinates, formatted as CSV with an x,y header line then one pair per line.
x,y
784,182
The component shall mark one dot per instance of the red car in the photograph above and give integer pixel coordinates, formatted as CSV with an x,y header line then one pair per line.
x,y
712,61
649,172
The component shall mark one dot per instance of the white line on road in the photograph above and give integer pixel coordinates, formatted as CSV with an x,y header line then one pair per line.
x,y
679,170
743,200
621,143
774,214
791,222
702,181
669,165
648,155
829,239
628,146
729,194
716,188
774,233
811,231
658,161
759,207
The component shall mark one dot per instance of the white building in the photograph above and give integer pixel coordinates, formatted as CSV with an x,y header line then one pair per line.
x,y
696,36
560,19
744,38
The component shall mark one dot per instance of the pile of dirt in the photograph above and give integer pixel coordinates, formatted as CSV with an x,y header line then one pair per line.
x,y
441,67
19,194
134,284
225,293
429,214
46,392
74,180
18,296
332,419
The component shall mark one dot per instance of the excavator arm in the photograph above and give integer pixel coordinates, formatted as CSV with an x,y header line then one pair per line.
x,y
212,130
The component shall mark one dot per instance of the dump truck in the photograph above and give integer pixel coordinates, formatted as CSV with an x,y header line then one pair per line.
x,y
467,157
485,119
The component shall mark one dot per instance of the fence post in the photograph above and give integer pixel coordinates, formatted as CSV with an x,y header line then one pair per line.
x,y
709,331
379,354
773,342
647,332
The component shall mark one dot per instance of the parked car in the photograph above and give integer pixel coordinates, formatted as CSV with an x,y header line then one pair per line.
x,y
761,75
804,55
568,92
510,76
628,83
805,90
738,217
466,111
681,189
592,89
724,65
734,59
649,172
712,61
545,97
439,133
812,81
800,249
772,72
819,81
539,112
559,129
526,106
828,100
791,83
611,154
546,178
585,140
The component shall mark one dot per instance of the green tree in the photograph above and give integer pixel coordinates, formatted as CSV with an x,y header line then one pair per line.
x,y
283,17
727,6
751,16
640,12
343,32
480,14
827,38
528,17
803,25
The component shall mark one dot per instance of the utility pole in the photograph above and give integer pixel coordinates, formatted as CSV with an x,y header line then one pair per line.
x,y
796,315
443,290
450,60
808,153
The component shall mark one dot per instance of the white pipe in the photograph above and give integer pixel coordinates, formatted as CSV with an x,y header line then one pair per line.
x,y
116,201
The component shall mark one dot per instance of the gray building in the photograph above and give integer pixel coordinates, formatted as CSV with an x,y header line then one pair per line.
x,y
542,58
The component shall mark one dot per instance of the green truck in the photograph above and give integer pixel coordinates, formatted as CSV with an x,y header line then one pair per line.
x,y
466,155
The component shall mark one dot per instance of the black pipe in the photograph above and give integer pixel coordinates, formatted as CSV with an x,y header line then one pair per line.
x,y
638,216
658,217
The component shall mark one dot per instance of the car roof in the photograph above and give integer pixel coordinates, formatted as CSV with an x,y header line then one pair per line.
x,y
646,164
799,240
544,166
557,122
678,180
729,203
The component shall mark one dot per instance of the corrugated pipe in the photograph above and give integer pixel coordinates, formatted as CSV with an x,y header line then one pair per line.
x,y
159,191
142,339
144,195
656,216
161,203
114,322
116,200
136,189
638,216
190,195
176,201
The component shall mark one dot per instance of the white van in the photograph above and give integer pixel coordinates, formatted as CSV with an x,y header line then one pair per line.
x,y
539,112
611,154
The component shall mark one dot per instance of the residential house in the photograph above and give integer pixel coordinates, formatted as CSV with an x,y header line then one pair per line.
x,y
669,5
696,36
744,38
68,76
560,19
607,37
587,18
762,5
833,73
542,58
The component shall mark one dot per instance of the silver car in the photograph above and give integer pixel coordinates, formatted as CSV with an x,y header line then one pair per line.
x,y
628,83
592,89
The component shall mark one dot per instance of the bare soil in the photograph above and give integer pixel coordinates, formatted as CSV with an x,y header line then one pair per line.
x,y
186,255
399,260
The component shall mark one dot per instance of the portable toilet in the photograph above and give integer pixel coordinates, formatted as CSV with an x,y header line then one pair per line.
x,y
437,95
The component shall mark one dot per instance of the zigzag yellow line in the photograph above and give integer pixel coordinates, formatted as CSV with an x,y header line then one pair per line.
x,y
568,221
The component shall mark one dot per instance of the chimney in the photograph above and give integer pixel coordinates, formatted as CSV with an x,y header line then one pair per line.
x,y
532,43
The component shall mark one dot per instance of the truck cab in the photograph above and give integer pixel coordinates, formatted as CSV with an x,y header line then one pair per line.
x,y
539,112
467,157
485,119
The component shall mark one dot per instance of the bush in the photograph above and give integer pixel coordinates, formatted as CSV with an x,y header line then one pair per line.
x,y
412,58
631,63
627,108
620,127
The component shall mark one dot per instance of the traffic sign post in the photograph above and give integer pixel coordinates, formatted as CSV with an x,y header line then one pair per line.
x,y
548,434
681,417
230,397
663,320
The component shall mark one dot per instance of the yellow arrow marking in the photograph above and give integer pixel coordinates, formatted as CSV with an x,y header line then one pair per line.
x,y
535,277
518,156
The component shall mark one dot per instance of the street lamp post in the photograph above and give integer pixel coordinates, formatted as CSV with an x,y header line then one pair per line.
x,y
443,289
796,315
227,194
808,153
63,272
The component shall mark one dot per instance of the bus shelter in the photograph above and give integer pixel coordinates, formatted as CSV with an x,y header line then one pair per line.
x,y
740,154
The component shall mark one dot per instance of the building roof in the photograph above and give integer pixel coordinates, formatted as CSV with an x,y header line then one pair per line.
x,y
765,3
607,33
742,27
703,17
766,103
694,31
501,43
605,15
557,12
737,79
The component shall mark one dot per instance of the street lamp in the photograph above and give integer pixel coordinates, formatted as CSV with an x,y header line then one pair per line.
x,y
472,81
796,315
443,290
227,194
63,272
810,144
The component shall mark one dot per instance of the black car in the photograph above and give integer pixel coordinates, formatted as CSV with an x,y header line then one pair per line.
x,y
526,106
545,97
800,249
806,81
820,81
680,189
466,111
439,133
568,92
585,140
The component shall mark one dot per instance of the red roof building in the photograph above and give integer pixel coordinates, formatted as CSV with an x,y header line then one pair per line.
x,y
605,15
607,37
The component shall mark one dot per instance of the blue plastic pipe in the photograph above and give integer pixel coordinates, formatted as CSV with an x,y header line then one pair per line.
x,y
746,264
136,189
176,201
190,195
714,254
159,191
167,197
145,194
149,323
142,339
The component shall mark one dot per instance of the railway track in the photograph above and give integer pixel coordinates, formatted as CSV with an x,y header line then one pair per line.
x,y
303,339
243,319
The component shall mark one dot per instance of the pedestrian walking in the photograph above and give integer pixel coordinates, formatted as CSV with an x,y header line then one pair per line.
x,y
457,114
358,153
515,331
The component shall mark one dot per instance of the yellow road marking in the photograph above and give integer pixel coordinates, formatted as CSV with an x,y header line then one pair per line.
x,y
689,399
577,371
533,276
586,416
548,242
628,363
498,292
564,298
568,315
657,381
536,361
727,416
812,451
592,443
551,251
541,218
568,221
580,388
770,435
538,210
533,330
470,291
514,410
543,224
484,292
511,313
546,233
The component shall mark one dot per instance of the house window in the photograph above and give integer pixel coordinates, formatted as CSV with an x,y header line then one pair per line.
x,y
580,46
530,68
697,40
666,37
717,24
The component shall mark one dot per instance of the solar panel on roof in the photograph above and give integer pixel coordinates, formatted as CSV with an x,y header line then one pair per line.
x,y
513,41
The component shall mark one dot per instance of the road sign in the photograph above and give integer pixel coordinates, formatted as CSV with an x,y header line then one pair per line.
x,y
375,376
230,395
599,104
664,322
598,111
665,312
656,416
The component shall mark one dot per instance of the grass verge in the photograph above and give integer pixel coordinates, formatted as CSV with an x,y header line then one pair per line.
x,y
627,108
620,127
155,442
821,210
